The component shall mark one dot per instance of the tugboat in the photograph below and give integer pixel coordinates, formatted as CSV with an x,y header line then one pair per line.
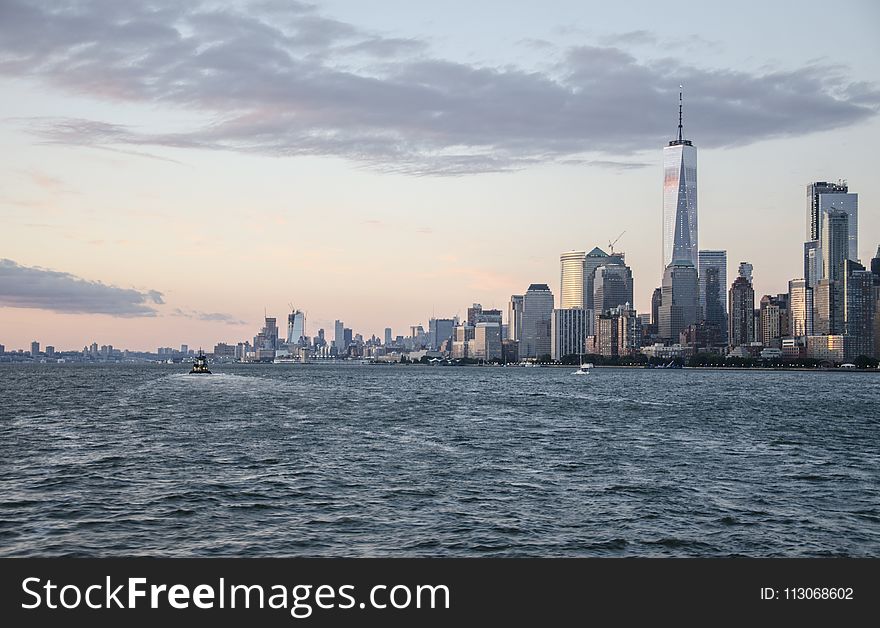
x,y
200,365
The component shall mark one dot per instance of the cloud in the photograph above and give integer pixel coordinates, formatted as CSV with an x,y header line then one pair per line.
x,y
209,316
40,288
279,79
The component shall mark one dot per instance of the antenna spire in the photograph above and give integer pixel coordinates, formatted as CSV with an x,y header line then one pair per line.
x,y
680,89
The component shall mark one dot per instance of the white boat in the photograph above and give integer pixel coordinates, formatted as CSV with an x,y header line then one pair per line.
x,y
585,367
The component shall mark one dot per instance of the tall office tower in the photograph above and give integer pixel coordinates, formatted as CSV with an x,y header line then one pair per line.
x,y
569,330
572,279
388,335
774,320
800,308
35,349
834,244
93,350
812,263
629,330
858,310
717,260
268,336
472,313
680,300
440,331
50,351
745,270
715,309
514,317
339,336
823,197
742,313
656,302
346,337
296,327
537,317
592,261
827,309
680,199
487,341
612,285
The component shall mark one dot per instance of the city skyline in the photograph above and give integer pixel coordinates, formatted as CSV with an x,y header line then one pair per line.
x,y
185,252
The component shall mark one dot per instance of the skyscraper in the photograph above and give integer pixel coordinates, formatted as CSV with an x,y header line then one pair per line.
x,y
387,336
858,310
679,300
296,327
680,199
714,311
439,331
812,263
537,316
823,197
514,317
339,336
717,260
487,341
571,280
834,244
569,331
592,261
745,271
800,308
742,312
612,285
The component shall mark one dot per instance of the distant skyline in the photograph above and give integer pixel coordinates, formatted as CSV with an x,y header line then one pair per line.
x,y
168,173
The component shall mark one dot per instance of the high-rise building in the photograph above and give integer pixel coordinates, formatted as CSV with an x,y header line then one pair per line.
x,y
745,270
514,317
296,328
50,351
680,199
828,309
339,336
487,341
875,266
823,197
612,285
718,261
800,308
35,349
858,309
473,312
569,330
572,280
834,244
440,331
679,300
656,302
812,263
742,312
774,320
537,317
592,261
714,310
387,336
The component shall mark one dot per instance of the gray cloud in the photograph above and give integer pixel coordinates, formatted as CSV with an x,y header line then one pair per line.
x,y
209,316
281,79
34,287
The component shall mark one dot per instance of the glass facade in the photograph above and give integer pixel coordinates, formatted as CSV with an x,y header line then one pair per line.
x,y
536,321
572,279
680,203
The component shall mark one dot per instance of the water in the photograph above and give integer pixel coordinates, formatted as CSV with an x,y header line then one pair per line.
x,y
431,461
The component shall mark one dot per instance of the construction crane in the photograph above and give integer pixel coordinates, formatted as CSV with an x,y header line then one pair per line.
x,y
611,244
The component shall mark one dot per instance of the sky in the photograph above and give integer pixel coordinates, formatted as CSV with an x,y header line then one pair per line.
x,y
171,171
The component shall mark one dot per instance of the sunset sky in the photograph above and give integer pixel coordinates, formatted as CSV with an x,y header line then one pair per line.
x,y
170,169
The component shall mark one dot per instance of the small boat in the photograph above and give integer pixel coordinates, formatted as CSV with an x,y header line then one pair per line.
x,y
585,367
200,365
